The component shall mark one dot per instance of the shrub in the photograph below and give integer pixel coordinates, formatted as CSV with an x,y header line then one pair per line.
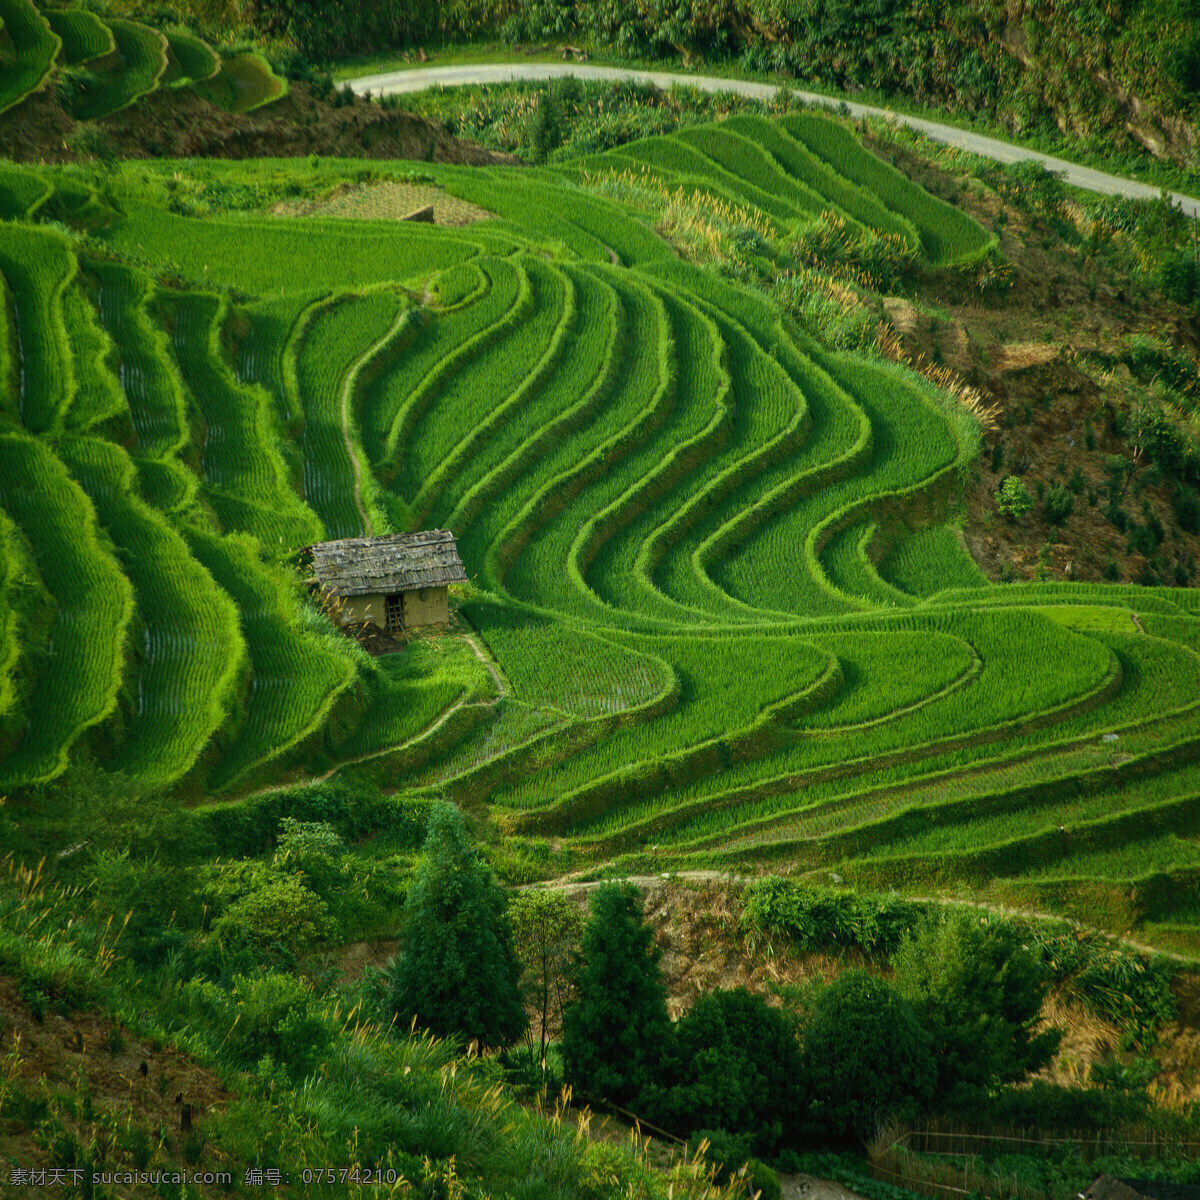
x,y
277,910
311,848
732,1161
823,918
733,1064
1179,277
978,994
615,1030
276,1019
1187,509
457,972
1013,500
1058,504
866,1058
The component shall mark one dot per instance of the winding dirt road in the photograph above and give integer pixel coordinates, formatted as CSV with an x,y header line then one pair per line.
x,y
418,79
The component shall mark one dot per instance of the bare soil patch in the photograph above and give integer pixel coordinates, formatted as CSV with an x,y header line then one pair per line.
x,y
809,1187
178,123
109,1079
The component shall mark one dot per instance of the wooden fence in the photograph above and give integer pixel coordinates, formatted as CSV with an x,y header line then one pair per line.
x,y
916,1158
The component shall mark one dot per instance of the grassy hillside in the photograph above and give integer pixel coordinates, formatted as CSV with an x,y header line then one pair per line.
x,y
770,645
684,404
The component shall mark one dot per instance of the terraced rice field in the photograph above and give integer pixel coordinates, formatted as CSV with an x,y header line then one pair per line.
x,y
716,632
116,62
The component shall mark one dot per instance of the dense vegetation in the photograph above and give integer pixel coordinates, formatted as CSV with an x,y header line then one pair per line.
x,y
1041,69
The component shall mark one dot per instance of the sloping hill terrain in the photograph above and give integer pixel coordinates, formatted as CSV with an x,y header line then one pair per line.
x,y
713,560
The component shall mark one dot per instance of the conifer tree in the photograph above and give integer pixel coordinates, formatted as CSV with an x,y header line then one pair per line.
x,y
457,972
616,1029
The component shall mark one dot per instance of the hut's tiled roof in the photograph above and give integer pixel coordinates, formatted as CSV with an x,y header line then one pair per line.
x,y
397,562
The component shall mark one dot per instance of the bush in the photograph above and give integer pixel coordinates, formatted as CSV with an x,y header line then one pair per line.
x,y
866,1058
1179,277
1013,500
732,1160
823,918
277,1020
1058,505
1187,509
277,911
733,1064
978,993
615,1030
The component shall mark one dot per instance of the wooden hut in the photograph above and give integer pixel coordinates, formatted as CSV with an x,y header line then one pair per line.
x,y
399,581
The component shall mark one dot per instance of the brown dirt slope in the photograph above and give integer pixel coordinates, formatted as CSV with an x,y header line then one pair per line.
x,y
79,1087
1043,352
177,123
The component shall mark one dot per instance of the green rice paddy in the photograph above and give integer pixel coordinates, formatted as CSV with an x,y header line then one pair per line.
x,y
706,626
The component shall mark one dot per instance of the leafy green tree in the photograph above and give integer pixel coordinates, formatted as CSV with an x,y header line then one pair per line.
x,y
546,929
616,1027
865,1057
1013,499
978,994
734,1064
457,972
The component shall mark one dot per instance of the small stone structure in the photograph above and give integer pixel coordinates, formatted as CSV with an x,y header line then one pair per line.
x,y
398,581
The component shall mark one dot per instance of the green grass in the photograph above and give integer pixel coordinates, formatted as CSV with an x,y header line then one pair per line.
x,y
247,477
434,349
28,58
37,266
267,258
297,670
98,393
189,60
84,36
709,556
149,378
21,191
950,237
930,561
404,694
801,164
339,341
9,644
479,406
